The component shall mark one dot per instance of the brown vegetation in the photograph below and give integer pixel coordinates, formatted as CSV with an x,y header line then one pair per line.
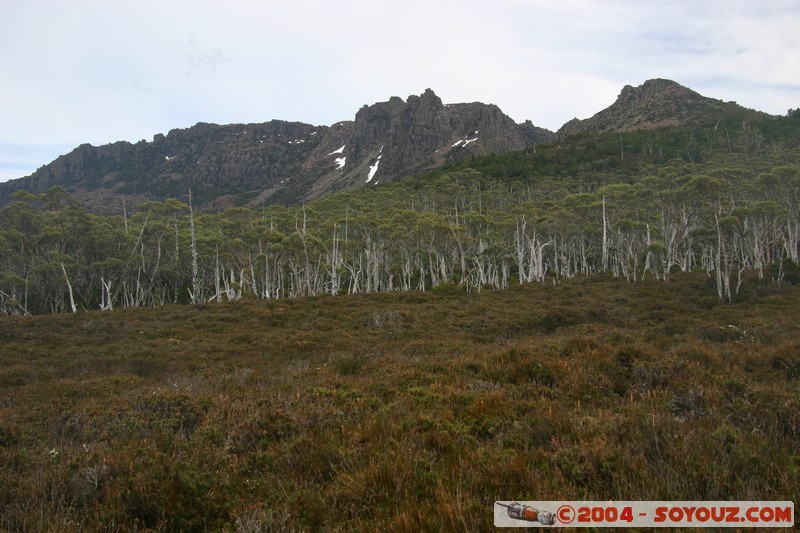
x,y
397,411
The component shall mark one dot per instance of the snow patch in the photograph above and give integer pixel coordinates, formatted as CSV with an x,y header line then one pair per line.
x,y
340,162
463,143
339,151
373,169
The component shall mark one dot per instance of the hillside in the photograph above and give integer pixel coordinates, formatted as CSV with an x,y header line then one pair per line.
x,y
660,103
396,412
281,162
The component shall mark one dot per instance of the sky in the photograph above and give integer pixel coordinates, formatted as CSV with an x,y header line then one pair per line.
x,y
86,71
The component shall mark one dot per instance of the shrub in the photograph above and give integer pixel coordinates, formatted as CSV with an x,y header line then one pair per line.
x,y
558,317
349,366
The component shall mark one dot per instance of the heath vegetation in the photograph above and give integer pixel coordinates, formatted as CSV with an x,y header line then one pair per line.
x,y
402,411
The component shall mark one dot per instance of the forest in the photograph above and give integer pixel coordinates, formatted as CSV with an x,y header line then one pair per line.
x,y
635,205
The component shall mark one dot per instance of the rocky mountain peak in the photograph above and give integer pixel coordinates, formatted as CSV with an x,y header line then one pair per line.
x,y
427,98
282,162
652,88
656,103
398,137
656,98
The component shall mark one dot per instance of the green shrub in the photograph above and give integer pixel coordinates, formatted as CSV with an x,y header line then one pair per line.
x,y
558,317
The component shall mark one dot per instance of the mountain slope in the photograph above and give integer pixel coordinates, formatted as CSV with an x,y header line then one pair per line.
x,y
281,162
291,162
655,104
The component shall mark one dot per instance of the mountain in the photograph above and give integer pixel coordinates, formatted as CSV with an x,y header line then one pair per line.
x,y
281,162
291,162
655,104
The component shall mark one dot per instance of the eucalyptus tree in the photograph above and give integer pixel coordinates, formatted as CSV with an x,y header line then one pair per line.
x,y
236,253
172,215
711,198
137,262
788,180
20,224
621,246
195,291
433,233
676,224
529,245
13,287
407,252
562,230
582,247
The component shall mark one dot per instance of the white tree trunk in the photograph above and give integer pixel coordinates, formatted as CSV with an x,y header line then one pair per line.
x,y
195,292
69,289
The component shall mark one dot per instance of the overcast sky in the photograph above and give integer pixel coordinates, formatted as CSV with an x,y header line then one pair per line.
x,y
102,71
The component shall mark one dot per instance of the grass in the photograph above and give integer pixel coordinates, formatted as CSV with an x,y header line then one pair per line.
x,y
399,411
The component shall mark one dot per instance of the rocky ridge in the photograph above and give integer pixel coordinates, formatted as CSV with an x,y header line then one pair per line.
x,y
657,103
291,162
281,162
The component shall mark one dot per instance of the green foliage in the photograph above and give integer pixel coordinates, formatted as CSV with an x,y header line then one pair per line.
x,y
785,270
722,198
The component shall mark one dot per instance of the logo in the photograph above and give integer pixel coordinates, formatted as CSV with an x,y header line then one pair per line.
x,y
527,513
645,514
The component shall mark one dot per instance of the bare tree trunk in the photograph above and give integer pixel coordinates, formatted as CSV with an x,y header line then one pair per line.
x,y
217,288
106,304
125,214
177,256
519,242
334,261
69,289
195,292
723,282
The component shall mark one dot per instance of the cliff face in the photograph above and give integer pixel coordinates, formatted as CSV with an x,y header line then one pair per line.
x,y
281,162
655,104
396,138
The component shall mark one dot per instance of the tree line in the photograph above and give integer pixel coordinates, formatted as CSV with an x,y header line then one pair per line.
x,y
732,216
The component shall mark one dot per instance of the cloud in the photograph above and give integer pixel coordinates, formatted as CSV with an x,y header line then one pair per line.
x,y
98,72
17,160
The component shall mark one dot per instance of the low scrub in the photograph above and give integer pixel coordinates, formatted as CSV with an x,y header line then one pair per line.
x,y
396,412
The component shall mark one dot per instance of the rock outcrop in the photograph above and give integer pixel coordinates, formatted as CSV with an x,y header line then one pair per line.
x,y
282,162
655,104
